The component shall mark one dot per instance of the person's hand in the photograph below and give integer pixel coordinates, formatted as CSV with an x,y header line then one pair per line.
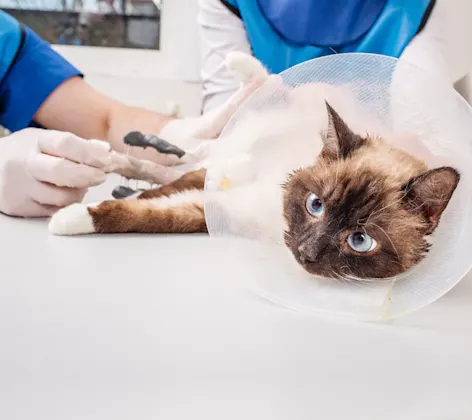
x,y
42,171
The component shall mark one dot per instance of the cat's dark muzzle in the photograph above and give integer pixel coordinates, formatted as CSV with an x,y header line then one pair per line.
x,y
312,258
313,263
312,250
305,257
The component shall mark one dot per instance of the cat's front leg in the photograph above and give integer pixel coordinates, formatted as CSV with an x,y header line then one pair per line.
x,y
182,213
173,208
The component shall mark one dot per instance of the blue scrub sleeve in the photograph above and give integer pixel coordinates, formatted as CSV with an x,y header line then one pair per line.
x,y
36,73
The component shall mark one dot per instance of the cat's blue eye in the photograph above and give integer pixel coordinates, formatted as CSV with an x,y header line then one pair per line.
x,y
314,205
361,242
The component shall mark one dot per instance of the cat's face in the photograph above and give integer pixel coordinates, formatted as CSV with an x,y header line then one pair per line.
x,y
364,209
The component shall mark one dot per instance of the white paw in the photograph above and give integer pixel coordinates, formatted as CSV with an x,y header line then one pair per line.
x,y
72,220
245,67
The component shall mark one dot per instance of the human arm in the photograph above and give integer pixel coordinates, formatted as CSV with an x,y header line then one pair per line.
x,y
78,108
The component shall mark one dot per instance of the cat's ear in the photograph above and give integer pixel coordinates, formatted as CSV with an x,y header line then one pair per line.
x,y
339,141
430,192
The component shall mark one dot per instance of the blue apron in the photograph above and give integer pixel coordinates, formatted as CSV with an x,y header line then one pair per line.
x,y
283,33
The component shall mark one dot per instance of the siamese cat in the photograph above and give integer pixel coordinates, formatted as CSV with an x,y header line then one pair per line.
x,y
358,207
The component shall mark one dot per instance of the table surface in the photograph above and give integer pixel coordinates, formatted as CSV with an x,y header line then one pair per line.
x,y
157,327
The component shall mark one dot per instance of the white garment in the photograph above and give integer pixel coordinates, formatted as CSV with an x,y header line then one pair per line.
x,y
221,32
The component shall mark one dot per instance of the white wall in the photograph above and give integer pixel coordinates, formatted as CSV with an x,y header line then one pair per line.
x,y
150,78
458,49
457,16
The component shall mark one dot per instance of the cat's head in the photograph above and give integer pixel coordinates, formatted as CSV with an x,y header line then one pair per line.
x,y
365,209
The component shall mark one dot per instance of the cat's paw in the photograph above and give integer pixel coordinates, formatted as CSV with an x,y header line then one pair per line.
x,y
72,220
245,68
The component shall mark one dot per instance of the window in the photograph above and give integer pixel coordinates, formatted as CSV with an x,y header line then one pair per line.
x,y
104,23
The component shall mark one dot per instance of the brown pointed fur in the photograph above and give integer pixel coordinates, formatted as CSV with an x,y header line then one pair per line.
x,y
141,216
191,180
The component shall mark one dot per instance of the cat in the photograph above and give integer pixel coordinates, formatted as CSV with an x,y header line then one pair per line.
x,y
354,207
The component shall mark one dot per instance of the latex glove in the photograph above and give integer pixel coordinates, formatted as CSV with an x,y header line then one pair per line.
x,y
42,171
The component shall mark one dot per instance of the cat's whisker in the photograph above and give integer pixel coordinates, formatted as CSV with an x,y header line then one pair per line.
x,y
362,282
334,276
397,263
337,233
388,237
351,279
377,211
288,235
342,275
340,253
387,206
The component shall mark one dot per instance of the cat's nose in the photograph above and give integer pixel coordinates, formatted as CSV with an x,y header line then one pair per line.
x,y
304,255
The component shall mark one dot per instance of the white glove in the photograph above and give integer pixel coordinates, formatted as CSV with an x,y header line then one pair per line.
x,y
44,170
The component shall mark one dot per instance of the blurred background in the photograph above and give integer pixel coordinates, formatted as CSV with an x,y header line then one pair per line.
x,y
104,23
